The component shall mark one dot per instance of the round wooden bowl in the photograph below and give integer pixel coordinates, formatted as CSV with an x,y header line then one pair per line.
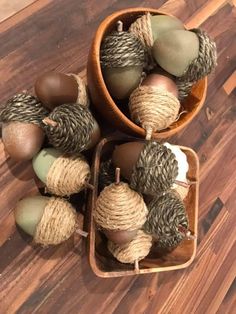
x,y
103,101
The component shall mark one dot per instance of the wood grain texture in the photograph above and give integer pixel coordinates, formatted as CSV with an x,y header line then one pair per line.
x,y
57,35
9,8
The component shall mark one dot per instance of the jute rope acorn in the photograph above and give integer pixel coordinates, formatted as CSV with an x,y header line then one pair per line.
x,y
156,169
83,98
142,28
57,224
69,128
120,208
68,175
23,108
153,108
122,49
167,221
134,251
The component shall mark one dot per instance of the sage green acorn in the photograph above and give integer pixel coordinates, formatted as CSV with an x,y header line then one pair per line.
x,y
175,50
163,23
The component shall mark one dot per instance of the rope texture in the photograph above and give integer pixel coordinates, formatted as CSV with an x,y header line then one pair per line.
x,y
68,175
57,224
120,208
74,128
142,28
23,108
135,250
166,215
83,97
155,170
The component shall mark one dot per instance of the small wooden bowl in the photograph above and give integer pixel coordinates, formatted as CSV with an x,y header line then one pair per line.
x,y
102,262
103,101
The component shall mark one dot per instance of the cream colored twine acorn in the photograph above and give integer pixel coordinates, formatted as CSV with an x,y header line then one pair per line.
x,y
153,108
68,175
134,251
83,98
57,224
120,208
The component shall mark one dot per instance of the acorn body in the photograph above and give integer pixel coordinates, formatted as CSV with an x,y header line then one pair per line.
x,y
63,175
49,220
22,134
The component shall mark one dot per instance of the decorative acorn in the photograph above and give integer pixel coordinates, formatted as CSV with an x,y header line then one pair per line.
x,y
71,128
120,211
49,220
149,27
167,220
63,175
22,135
54,89
154,105
182,185
134,251
150,167
122,58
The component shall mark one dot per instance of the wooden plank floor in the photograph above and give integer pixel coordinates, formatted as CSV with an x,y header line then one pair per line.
x,y
56,35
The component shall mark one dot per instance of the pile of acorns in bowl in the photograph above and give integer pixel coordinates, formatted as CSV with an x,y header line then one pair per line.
x,y
153,65
60,112
142,186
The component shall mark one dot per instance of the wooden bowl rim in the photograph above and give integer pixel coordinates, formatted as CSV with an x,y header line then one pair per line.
x,y
96,49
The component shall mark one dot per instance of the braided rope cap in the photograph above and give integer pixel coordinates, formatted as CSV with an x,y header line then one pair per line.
x,y
69,128
23,108
122,49
166,220
155,170
57,224
135,250
83,97
68,175
120,208
153,108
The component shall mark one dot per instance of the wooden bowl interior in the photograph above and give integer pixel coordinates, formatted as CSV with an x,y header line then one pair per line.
x,y
119,109
103,263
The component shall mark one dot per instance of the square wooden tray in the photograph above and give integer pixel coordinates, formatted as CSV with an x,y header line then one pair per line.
x,y
102,262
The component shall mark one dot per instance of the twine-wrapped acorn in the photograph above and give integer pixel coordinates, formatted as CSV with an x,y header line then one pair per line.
x,y
71,128
122,58
49,220
63,175
120,208
134,251
155,170
21,132
167,220
153,108
83,97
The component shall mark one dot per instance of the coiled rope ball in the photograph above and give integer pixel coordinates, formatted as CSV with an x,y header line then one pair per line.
x,y
153,108
23,108
135,250
122,49
167,220
68,175
69,128
120,208
155,170
57,224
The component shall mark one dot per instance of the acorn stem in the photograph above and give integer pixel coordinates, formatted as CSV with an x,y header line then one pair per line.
x,y
136,265
48,121
117,175
119,26
82,233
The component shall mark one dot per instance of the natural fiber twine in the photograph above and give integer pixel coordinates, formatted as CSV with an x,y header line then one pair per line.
x,y
153,108
68,175
142,28
135,250
122,49
184,88
120,208
23,108
83,98
181,190
167,216
57,224
155,170
69,128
